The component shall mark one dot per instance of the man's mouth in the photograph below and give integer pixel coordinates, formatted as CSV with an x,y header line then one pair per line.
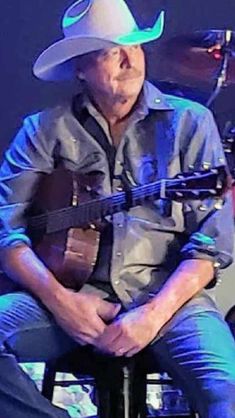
x,y
129,77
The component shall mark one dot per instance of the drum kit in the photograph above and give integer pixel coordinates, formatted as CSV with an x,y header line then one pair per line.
x,y
204,57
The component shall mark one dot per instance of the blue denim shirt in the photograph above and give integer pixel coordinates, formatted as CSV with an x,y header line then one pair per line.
x,y
165,136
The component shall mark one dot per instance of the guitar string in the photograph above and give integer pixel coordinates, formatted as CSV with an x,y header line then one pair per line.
x,y
135,193
76,212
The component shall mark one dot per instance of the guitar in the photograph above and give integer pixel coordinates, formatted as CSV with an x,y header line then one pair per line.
x,y
66,216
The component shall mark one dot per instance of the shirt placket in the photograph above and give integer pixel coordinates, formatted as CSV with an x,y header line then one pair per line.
x,y
119,233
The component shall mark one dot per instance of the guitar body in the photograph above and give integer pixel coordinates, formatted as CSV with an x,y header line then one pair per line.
x,y
70,254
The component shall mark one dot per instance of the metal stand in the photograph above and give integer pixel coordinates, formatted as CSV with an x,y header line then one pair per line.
x,y
221,80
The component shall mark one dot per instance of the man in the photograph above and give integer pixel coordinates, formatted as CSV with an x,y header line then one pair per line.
x,y
147,290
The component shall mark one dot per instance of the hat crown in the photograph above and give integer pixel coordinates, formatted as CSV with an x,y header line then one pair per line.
x,y
92,25
98,18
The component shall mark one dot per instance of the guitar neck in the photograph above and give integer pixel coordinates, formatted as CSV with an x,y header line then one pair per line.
x,y
193,186
86,213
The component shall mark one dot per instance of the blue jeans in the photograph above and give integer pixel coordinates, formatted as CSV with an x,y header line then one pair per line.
x,y
198,351
27,333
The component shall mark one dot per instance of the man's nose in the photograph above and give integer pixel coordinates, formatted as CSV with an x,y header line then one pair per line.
x,y
126,59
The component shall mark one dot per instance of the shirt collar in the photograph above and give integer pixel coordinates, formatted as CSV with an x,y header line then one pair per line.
x,y
154,98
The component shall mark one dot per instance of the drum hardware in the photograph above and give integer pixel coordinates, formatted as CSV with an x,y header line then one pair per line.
x,y
222,51
207,56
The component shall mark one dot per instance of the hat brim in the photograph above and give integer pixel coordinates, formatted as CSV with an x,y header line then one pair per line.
x,y
57,62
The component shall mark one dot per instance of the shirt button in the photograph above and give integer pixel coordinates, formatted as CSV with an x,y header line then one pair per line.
x,y
119,254
117,282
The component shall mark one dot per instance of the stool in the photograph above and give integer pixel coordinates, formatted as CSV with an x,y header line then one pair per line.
x,y
114,380
121,384
143,369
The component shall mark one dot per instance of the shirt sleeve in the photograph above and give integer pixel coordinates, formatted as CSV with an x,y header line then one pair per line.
x,y
209,223
24,162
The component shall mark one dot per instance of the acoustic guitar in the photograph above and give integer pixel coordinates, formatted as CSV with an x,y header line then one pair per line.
x,y
68,213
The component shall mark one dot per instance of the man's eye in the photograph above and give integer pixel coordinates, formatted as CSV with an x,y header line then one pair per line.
x,y
114,52
110,53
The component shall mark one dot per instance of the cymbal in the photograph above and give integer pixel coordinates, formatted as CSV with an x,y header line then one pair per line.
x,y
199,55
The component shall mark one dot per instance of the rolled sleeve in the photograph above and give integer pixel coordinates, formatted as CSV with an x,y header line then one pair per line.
x,y
15,239
24,162
209,223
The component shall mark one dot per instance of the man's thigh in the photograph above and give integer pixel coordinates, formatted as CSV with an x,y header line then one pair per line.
x,y
29,331
199,352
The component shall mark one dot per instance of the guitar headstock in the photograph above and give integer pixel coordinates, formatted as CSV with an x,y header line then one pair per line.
x,y
213,182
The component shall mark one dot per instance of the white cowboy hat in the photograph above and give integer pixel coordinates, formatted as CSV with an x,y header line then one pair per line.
x,y
91,25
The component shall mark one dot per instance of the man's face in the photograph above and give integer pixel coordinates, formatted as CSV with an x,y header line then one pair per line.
x,y
117,73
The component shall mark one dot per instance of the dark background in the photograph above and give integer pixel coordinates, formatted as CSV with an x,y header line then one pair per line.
x,y
27,27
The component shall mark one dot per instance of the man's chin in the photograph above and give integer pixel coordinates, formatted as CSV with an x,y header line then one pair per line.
x,y
129,93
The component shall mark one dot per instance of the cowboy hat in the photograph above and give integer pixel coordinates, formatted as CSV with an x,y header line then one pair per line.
x,y
91,25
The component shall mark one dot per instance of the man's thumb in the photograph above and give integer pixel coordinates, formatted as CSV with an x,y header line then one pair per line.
x,y
108,311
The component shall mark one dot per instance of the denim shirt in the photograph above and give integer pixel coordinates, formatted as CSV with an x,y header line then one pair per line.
x,y
166,135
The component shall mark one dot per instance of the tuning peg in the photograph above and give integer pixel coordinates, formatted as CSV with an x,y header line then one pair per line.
x,y
195,193
119,188
214,170
187,208
182,177
179,194
203,208
206,165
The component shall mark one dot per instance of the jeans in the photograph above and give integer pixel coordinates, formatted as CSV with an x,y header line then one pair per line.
x,y
198,351
27,333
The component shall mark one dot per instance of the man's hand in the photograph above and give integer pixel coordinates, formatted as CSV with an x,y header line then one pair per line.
x,y
83,316
130,332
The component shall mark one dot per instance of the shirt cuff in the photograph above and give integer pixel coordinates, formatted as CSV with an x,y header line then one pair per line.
x,y
201,246
14,240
